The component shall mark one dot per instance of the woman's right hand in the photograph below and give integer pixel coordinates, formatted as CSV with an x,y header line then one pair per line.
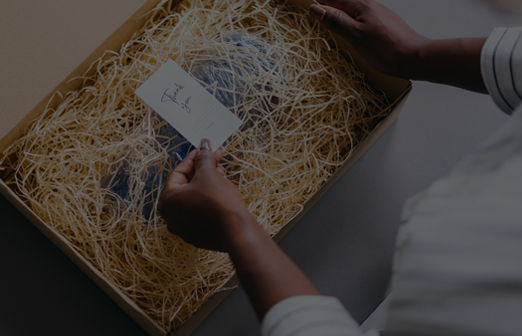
x,y
200,205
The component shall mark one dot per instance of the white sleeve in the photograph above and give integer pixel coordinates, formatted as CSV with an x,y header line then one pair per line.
x,y
309,315
501,65
457,268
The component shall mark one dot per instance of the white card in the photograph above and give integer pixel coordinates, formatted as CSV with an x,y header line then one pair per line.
x,y
187,106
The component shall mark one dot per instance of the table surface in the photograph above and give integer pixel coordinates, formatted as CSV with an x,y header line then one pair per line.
x,y
344,244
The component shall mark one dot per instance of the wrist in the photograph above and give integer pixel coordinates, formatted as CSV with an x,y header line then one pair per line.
x,y
238,228
414,60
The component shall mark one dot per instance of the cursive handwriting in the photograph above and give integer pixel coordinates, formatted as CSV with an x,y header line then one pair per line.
x,y
173,97
184,105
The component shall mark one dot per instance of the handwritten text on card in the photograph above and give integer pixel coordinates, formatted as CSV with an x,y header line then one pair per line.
x,y
187,106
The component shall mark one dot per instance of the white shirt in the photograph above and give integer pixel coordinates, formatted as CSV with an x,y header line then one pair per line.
x,y
458,263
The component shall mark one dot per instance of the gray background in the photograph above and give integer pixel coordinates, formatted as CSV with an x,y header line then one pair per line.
x,y
344,244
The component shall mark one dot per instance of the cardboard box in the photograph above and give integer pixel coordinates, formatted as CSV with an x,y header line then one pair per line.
x,y
13,125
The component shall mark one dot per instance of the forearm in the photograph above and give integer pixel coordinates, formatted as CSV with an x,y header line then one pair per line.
x,y
453,62
265,271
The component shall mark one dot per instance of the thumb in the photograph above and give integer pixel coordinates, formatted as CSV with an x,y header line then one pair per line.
x,y
334,19
204,161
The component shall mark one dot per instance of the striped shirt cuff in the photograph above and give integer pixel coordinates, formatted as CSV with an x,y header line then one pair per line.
x,y
309,315
501,65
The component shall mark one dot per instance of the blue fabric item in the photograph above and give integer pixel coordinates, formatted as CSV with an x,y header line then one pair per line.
x,y
231,80
119,181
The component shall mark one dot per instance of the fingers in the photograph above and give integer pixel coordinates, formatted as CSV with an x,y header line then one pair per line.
x,y
317,12
218,155
334,19
196,160
350,7
183,172
220,170
204,161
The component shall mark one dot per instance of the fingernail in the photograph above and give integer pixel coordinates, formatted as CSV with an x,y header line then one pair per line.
x,y
317,12
205,144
